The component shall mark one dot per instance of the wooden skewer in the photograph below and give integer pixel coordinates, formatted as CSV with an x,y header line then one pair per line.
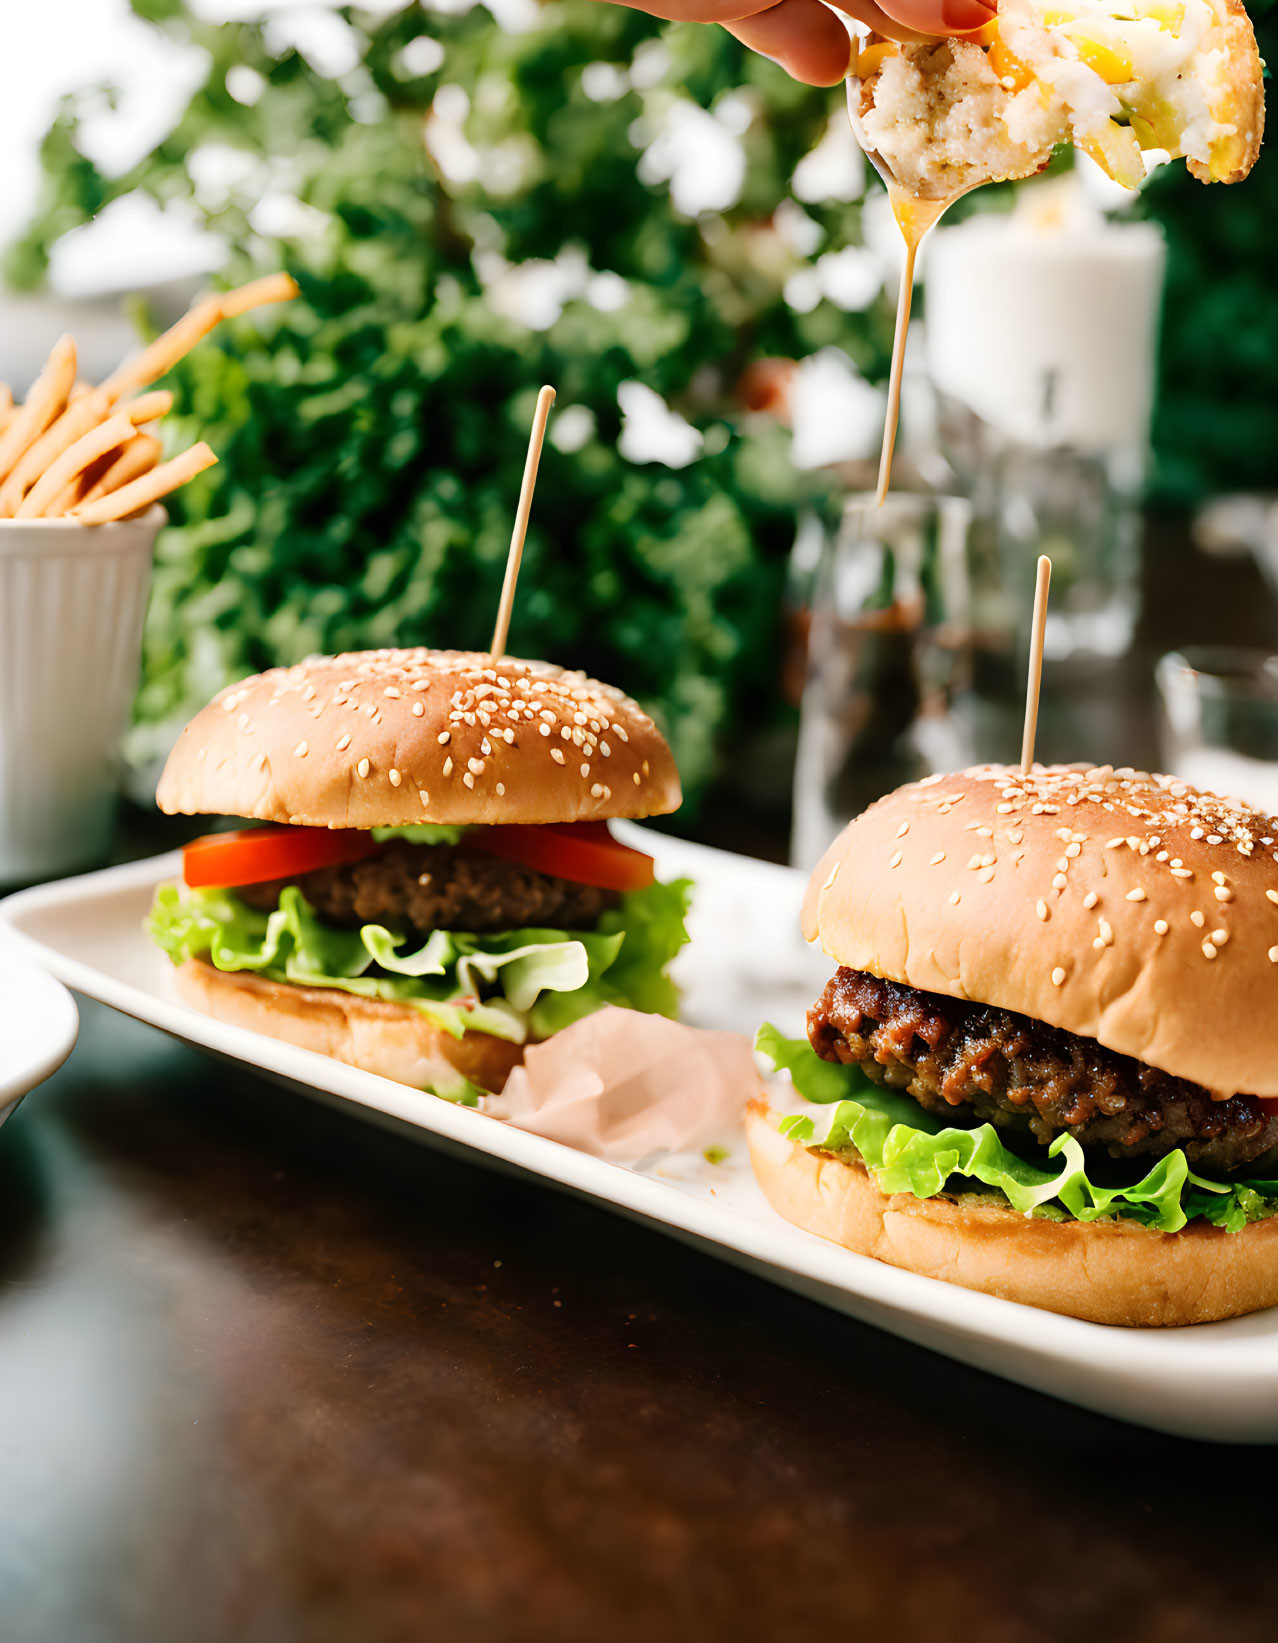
x,y
1041,584
545,399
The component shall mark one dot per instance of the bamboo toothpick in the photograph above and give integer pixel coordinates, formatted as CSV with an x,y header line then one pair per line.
x,y
545,399
1042,583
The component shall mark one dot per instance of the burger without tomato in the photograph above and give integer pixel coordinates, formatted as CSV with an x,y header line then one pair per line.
x,y
436,885
1047,1065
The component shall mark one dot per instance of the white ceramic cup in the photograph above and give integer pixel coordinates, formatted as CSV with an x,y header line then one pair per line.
x,y
72,598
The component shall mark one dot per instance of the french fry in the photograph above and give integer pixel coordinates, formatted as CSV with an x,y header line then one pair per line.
x,y
105,436
46,400
80,415
256,294
164,353
141,493
147,407
108,473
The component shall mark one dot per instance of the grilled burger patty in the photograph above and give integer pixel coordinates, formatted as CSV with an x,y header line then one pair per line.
x,y
971,1064
425,887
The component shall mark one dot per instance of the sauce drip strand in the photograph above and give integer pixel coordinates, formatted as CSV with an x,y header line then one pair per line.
x,y
914,217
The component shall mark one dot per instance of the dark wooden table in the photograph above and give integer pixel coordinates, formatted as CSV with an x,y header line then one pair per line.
x,y
269,1375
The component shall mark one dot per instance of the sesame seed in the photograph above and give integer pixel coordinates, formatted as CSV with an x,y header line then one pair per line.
x,y
1197,919
501,790
585,770
1273,955
1058,976
469,780
1214,838
475,766
1182,873
444,737
1136,895
635,778
260,761
1272,895
1113,844
557,755
1041,909
301,750
485,746
621,732
1015,838
605,750
418,710
448,766
1073,850
1059,882
895,859
392,693
1222,892
1160,926
596,790
902,830
973,863
362,768
986,875
1090,900
1208,950
1220,937
423,795
394,776
937,859
1218,878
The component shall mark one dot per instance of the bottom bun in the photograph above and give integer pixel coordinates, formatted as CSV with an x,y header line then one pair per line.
x,y
1108,1272
373,1034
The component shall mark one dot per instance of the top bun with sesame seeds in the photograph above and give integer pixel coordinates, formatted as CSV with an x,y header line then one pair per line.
x,y
1122,907
387,738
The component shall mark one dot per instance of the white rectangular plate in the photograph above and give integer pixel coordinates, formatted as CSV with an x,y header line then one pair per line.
x,y
745,963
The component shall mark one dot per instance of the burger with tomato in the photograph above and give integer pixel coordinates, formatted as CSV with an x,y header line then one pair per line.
x,y
432,883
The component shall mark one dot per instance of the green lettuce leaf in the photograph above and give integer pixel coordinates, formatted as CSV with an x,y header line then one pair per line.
x,y
909,1150
517,985
420,833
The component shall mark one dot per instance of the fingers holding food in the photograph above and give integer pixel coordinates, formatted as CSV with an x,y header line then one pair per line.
x,y
803,36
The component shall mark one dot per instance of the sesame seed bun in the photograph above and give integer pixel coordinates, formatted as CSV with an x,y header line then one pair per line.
x,y
1108,1272
385,738
1122,907
376,1035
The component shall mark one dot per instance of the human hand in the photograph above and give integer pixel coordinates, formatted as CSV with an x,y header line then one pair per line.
x,y
808,40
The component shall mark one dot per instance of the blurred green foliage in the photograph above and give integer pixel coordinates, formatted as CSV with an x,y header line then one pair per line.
x,y
1216,413
372,435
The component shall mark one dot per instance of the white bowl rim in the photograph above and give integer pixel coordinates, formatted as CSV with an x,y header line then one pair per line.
x,y
155,516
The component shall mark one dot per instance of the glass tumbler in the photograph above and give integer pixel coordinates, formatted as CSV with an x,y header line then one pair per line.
x,y
1220,721
889,661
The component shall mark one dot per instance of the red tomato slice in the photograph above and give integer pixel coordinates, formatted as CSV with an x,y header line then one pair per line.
x,y
583,852
252,855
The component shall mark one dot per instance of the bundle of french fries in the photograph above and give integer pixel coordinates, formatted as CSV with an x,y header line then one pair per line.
x,y
90,454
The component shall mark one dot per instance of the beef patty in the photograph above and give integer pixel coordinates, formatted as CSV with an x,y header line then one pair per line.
x,y
425,887
971,1064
